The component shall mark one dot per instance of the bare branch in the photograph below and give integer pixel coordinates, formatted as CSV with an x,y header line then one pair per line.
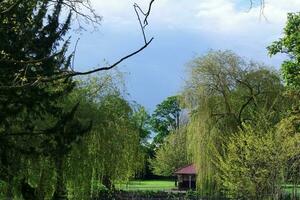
x,y
74,54
69,74
111,66
75,6
262,5
143,24
82,9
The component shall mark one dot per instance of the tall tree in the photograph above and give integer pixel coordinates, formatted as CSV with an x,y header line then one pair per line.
x,y
111,152
142,120
289,45
223,92
36,33
35,75
290,68
166,118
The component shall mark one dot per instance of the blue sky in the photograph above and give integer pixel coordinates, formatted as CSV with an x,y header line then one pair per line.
x,y
182,30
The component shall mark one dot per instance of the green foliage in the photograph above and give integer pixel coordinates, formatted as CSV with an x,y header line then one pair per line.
x,y
48,146
289,129
202,139
253,165
223,92
171,155
166,118
233,89
261,160
111,152
32,54
142,121
289,45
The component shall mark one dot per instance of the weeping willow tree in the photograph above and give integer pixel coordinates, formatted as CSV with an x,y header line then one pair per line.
x,y
223,92
111,151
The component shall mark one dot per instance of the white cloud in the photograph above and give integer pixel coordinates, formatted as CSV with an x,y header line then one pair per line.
x,y
205,15
182,29
227,24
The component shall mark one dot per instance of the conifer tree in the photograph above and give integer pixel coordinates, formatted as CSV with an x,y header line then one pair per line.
x,y
32,53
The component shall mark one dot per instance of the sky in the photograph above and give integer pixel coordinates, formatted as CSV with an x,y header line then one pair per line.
x,y
182,30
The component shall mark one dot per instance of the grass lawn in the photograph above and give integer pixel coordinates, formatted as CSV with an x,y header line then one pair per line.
x,y
147,185
289,189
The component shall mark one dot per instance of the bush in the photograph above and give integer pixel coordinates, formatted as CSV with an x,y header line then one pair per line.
x,y
253,166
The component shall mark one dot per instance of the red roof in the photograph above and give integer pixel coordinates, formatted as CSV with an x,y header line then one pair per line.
x,y
190,169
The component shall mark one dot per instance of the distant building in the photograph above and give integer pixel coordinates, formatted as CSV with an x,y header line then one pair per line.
x,y
186,177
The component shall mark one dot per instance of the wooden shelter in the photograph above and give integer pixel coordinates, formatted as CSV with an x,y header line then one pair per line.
x,y
186,177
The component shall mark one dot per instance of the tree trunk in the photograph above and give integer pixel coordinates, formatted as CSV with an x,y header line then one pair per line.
x,y
60,190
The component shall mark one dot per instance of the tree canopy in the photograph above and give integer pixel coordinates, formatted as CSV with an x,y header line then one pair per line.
x,y
172,154
223,93
166,118
289,45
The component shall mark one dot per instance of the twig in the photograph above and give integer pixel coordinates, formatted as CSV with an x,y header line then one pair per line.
x,y
146,15
69,74
143,24
111,66
74,54
140,22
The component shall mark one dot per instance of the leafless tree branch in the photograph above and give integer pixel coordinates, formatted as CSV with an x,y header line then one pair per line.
x,y
74,54
146,43
262,5
68,74
111,66
143,23
81,8
78,7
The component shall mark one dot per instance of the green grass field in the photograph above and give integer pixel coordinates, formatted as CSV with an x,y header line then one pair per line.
x,y
290,189
147,185
167,185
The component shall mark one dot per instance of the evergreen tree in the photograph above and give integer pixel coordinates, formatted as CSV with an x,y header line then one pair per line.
x,y
32,55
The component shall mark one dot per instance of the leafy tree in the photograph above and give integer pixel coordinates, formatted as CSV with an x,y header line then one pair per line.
x,y
255,161
290,68
261,159
36,74
223,92
142,120
289,45
171,155
288,129
111,152
143,123
166,118
36,33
